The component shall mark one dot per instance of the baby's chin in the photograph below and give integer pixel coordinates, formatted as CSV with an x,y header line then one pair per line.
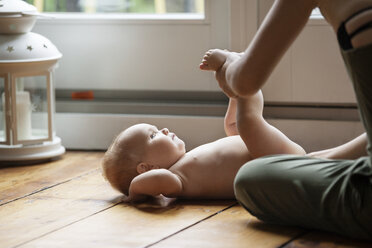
x,y
180,143
182,146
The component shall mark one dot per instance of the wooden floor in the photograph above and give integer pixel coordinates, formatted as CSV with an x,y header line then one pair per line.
x,y
67,203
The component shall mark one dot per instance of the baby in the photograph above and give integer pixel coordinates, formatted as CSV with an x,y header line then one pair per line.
x,y
146,161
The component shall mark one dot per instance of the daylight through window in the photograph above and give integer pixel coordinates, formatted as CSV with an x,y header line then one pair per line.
x,y
120,6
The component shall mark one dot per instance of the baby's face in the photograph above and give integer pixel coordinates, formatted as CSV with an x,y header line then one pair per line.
x,y
161,147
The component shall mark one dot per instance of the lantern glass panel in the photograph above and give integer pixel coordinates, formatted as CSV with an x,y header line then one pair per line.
x,y
2,110
32,109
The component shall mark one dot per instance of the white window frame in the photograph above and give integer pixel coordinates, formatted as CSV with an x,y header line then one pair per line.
x,y
127,18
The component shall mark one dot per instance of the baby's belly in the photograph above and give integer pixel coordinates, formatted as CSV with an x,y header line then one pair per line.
x,y
211,187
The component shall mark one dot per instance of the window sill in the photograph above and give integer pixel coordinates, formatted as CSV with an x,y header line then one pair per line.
x,y
73,18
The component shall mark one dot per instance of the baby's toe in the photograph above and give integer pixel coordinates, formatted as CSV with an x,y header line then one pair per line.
x,y
204,66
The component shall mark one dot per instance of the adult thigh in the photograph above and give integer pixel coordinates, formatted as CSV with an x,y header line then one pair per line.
x,y
332,195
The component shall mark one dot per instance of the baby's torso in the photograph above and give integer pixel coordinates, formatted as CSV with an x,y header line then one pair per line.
x,y
208,171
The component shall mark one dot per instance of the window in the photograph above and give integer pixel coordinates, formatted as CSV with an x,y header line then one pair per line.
x,y
120,6
316,14
133,51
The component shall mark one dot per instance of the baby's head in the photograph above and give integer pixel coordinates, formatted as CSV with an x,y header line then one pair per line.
x,y
138,149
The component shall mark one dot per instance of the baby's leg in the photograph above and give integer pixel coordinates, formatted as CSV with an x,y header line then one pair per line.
x,y
259,136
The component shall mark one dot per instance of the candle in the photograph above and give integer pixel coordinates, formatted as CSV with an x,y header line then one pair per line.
x,y
23,110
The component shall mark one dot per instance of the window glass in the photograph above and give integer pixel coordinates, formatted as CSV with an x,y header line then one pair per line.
x,y
120,6
316,13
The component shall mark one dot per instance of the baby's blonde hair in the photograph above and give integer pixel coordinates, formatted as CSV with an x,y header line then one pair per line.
x,y
119,164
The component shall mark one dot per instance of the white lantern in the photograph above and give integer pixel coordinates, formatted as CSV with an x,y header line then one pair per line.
x,y
27,63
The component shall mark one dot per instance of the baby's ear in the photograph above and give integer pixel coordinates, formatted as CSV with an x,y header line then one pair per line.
x,y
142,167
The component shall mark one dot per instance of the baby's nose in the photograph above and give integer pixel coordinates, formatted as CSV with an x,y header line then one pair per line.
x,y
165,131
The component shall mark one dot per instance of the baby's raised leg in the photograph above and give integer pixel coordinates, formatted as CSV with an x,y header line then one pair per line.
x,y
260,137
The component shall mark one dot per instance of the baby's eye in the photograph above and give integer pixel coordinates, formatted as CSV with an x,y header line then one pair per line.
x,y
152,135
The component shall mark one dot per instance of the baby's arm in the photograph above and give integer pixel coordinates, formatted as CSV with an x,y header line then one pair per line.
x,y
155,182
230,119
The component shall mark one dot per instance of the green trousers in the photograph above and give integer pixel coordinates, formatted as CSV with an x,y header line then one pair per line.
x,y
330,195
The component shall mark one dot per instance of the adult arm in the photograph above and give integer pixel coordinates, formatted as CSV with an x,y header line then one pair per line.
x,y
154,183
353,149
279,29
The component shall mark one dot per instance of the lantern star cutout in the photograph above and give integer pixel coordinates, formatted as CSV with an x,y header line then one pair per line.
x,y
29,48
33,107
10,49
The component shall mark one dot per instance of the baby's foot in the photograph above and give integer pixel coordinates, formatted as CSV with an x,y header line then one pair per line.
x,y
215,58
219,60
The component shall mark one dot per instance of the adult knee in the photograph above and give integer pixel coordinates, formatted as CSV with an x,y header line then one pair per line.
x,y
245,178
275,169
248,181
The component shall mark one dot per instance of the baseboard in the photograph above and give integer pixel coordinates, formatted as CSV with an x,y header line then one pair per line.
x,y
90,131
96,131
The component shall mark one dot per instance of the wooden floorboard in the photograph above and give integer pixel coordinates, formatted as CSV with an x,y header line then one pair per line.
x,y
67,203
19,181
129,226
49,210
234,227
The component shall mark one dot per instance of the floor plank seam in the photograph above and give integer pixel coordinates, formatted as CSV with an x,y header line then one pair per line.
x,y
187,227
303,233
69,224
48,187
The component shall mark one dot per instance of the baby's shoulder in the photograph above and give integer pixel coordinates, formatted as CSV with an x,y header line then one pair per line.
x,y
191,160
